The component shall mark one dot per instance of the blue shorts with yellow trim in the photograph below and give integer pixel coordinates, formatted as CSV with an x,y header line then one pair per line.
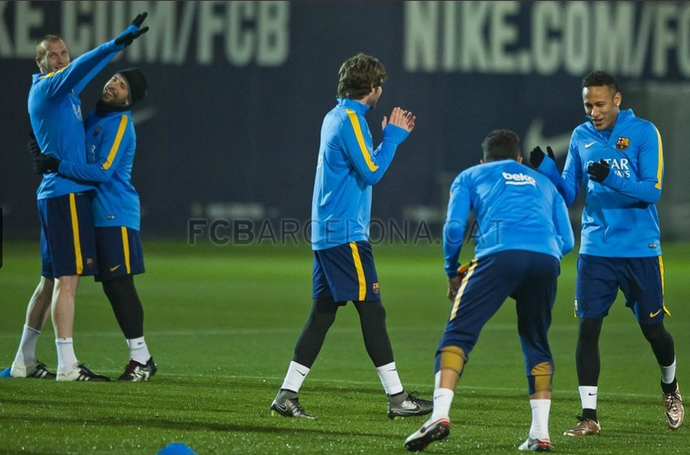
x,y
119,252
640,279
68,245
346,273
529,278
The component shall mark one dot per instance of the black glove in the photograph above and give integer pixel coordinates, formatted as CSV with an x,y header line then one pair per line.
x,y
32,145
139,19
599,171
128,38
45,164
536,156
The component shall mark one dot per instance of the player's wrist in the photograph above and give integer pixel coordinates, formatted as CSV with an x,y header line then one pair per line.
x,y
395,134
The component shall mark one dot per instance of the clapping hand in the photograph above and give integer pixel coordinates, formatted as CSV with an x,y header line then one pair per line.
x,y
401,118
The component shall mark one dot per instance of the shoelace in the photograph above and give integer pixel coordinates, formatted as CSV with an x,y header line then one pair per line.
x,y
413,396
297,407
671,402
295,403
581,421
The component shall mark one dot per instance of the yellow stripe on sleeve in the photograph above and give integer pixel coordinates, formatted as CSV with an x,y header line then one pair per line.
x,y
458,297
360,272
75,233
116,145
360,139
125,248
660,168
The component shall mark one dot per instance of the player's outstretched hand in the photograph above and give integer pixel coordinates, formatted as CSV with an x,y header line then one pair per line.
x,y
599,171
139,19
129,36
399,117
536,156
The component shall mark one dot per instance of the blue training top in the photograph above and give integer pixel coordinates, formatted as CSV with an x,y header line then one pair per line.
x,y
619,218
111,145
346,170
55,113
515,208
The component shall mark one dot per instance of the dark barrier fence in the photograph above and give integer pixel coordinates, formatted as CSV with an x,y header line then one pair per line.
x,y
230,130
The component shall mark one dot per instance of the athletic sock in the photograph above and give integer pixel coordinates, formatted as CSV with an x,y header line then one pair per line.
x,y
26,354
588,398
138,350
540,419
668,374
67,360
443,398
389,379
295,376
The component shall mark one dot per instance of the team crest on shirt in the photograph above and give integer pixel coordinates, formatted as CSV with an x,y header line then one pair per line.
x,y
623,143
376,288
77,111
97,131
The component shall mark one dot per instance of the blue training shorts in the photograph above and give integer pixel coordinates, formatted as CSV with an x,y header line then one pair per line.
x,y
529,278
68,245
346,273
640,279
119,252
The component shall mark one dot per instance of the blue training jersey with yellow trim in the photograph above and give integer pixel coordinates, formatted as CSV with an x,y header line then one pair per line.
x,y
111,145
56,118
620,217
347,168
515,208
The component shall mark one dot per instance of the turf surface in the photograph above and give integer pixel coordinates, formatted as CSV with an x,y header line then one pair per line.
x,y
221,323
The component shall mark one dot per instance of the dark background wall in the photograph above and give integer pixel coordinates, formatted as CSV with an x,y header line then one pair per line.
x,y
230,129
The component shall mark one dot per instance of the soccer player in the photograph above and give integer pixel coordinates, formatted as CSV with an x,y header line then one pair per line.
x,y
523,232
347,168
111,142
64,205
618,158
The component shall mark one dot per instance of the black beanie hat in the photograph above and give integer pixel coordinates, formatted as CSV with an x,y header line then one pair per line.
x,y
138,84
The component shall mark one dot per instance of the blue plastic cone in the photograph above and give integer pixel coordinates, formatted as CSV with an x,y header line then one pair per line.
x,y
176,448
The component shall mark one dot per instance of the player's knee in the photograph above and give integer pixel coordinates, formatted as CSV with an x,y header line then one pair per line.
x,y
590,328
322,314
452,358
323,305
653,332
66,283
541,378
372,312
118,286
323,320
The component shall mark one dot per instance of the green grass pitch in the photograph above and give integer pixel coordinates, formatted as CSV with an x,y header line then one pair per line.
x,y
222,322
